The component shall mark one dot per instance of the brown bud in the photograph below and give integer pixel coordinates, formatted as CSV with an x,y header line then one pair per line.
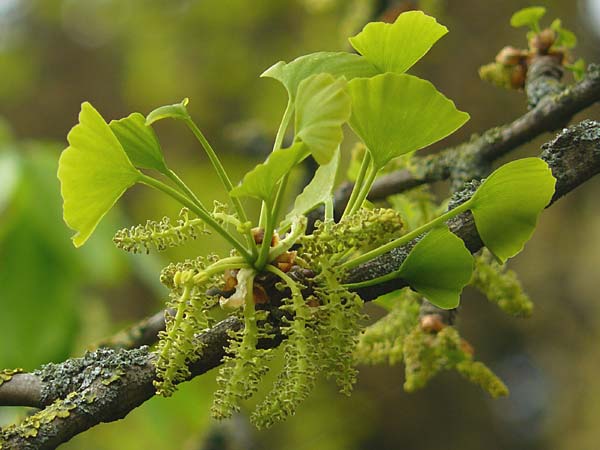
x,y
285,261
284,266
510,56
432,323
260,294
466,347
313,301
258,234
517,76
230,277
542,41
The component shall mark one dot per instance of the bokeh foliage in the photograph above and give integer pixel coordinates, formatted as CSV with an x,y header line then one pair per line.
x,y
135,55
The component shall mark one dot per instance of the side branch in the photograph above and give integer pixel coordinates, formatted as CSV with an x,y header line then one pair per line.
x,y
551,113
105,385
555,106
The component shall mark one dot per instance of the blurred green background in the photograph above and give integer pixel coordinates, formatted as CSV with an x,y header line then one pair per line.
x,y
126,56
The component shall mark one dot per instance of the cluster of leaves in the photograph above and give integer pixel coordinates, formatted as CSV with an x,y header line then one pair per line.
x,y
394,114
511,65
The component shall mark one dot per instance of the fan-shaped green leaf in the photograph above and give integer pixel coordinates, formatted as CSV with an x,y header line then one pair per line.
x,y
439,267
175,111
564,38
397,46
507,205
337,64
396,114
139,142
94,171
528,17
322,107
261,181
319,191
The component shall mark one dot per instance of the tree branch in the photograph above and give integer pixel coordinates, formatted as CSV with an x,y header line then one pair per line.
x,y
105,385
551,112
554,106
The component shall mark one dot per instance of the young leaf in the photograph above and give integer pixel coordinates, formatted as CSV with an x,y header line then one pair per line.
x,y
94,171
139,142
507,205
175,111
322,107
577,68
439,267
319,190
528,17
564,38
396,47
396,114
261,181
337,64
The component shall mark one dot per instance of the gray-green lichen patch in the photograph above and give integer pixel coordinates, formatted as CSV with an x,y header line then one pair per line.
x,y
78,374
461,196
31,425
7,374
585,131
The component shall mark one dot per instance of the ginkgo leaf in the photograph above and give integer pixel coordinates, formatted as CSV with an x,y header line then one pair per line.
x,y
507,205
175,111
395,114
564,38
528,17
139,142
94,171
261,181
337,64
397,46
319,191
322,107
439,267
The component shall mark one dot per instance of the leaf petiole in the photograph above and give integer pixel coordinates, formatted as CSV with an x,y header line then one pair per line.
x,y
203,214
268,218
407,237
364,190
364,166
185,188
216,162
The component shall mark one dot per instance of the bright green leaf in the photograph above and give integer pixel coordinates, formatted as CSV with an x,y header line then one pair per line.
x,y
94,171
396,114
322,107
507,205
396,47
261,181
175,111
439,267
577,68
337,64
528,17
564,38
319,191
139,142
